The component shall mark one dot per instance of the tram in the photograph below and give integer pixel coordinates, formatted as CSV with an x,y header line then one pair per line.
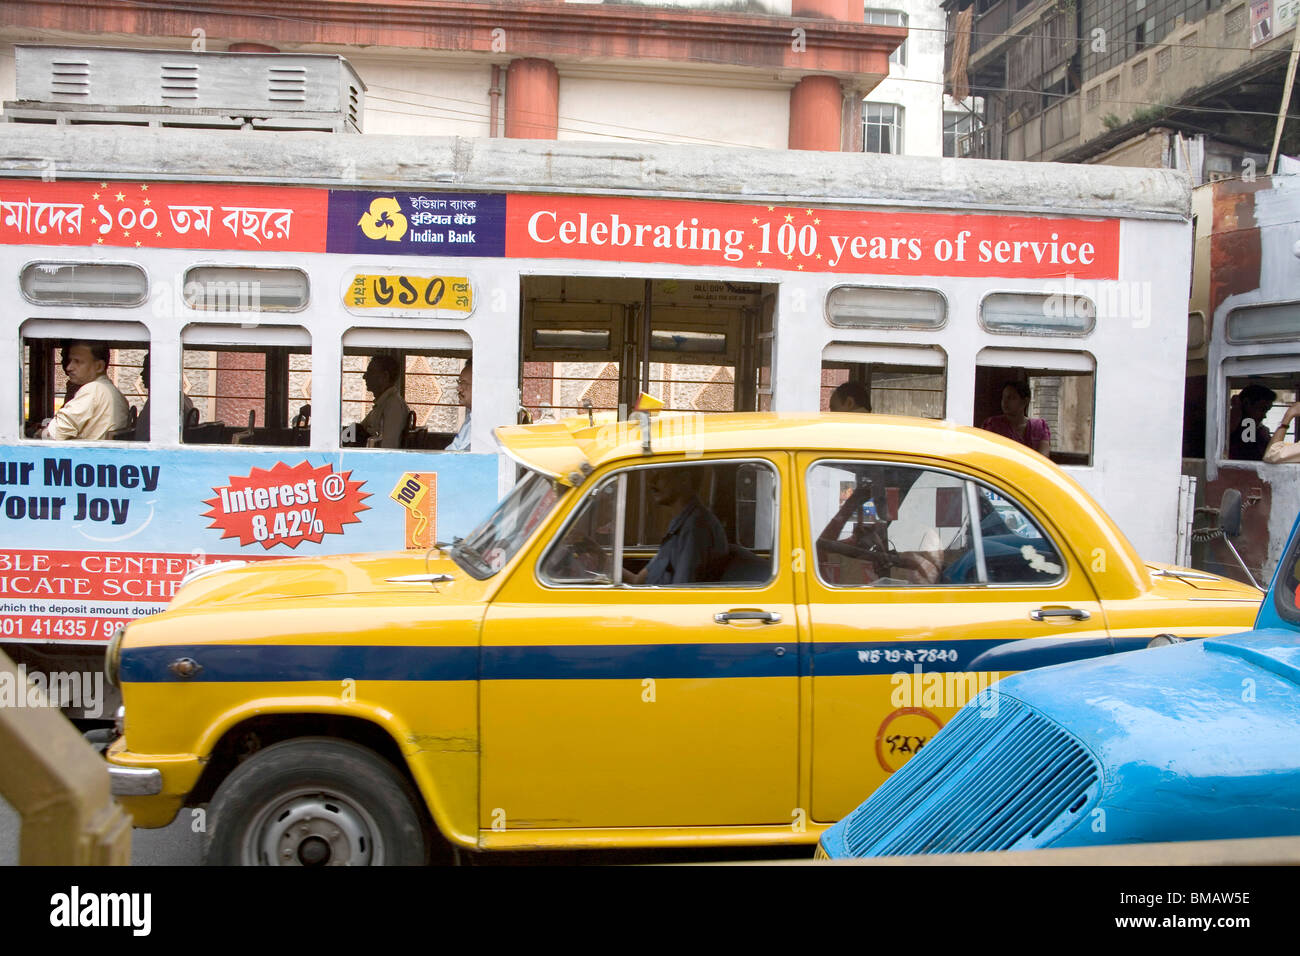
x,y
258,273
1244,333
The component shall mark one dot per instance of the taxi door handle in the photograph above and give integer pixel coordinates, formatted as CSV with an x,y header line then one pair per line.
x,y
767,617
1043,613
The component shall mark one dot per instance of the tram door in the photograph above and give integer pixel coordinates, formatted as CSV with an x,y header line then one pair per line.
x,y
595,343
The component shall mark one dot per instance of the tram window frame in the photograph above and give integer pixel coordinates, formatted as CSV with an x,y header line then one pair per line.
x,y
1285,385
47,338
1264,308
1038,328
420,438
278,344
49,266
896,321
189,281
995,367
866,364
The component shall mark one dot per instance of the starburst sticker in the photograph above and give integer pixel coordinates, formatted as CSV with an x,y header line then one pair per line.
x,y
286,505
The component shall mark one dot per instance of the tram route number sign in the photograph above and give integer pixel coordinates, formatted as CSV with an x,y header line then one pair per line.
x,y
407,293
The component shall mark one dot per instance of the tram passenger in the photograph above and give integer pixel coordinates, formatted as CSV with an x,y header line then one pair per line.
x,y
387,419
694,549
98,409
465,395
142,423
850,397
1281,452
1015,424
1248,438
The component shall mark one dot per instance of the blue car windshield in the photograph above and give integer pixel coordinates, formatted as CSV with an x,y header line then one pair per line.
x,y
1286,589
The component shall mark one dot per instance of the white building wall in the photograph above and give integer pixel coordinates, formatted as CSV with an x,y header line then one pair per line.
x,y
425,97
918,86
653,109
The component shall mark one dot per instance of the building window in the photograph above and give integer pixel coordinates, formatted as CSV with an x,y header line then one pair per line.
x,y
891,18
882,128
958,127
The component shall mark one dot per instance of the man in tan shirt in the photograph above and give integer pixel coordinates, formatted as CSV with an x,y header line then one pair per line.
x,y
387,419
98,409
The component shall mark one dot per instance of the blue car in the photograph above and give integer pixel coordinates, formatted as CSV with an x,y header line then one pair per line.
x,y
1195,740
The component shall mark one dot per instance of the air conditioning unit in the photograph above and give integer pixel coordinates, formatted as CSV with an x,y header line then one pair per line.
x,y
72,85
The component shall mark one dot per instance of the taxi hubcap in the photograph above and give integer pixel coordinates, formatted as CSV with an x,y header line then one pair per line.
x,y
314,828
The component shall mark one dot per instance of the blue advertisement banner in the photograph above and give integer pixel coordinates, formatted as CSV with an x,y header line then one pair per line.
x,y
416,223
89,536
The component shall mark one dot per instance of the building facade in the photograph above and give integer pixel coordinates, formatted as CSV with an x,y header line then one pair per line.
x,y
1193,84
756,75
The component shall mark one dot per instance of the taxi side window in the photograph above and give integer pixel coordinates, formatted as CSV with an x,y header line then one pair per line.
x,y
699,524
885,525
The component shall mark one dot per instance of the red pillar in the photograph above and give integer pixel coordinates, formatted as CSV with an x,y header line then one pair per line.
x,y
850,10
532,99
815,113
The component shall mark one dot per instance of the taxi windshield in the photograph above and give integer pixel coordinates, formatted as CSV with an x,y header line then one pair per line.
x,y
486,550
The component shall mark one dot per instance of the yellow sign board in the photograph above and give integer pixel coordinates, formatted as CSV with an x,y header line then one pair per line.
x,y
410,293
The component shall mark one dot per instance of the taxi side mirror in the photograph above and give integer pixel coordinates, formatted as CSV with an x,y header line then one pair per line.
x,y
1230,513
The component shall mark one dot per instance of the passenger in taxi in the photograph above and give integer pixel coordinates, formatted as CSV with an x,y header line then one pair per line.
x,y
694,549
866,556
98,409
386,421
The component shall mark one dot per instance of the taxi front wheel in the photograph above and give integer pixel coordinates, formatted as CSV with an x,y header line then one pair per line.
x,y
314,801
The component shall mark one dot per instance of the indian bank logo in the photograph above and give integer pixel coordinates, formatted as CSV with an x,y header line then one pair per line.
x,y
384,220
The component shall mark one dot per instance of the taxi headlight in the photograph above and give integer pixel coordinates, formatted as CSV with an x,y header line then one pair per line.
x,y
113,655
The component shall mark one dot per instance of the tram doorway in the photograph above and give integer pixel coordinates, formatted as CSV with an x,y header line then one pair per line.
x,y
591,343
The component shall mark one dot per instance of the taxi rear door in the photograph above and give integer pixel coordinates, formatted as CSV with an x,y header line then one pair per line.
x,y
918,575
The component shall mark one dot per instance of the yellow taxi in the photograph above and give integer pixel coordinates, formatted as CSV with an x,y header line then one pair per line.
x,y
704,630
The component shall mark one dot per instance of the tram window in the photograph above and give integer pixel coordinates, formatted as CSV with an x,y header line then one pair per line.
x,y
853,306
1062,397
1279,322
48,388
1038,313
247,394
595,343
1255,406
893,389
239,289
426,386
84,283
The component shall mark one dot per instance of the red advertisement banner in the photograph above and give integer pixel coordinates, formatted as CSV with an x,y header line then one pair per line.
x,y
164,215
286,505
801,239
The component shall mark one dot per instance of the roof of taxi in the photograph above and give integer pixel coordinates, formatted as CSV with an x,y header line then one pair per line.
x,y
570,449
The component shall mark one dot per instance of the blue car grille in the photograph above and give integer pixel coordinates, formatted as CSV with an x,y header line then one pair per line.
x,y
1010,779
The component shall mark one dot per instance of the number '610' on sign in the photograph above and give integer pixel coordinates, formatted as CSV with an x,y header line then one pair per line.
x,y
403,293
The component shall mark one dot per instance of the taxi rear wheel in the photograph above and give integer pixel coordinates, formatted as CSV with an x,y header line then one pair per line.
x,y
315,802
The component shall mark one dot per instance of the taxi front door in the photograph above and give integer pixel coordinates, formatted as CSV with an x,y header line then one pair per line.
x,y
620,706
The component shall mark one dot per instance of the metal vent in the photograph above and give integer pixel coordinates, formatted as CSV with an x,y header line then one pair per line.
x,y
178,88
69,78
179,81
992,780
286,84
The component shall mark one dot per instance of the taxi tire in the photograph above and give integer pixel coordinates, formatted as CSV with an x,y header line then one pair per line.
x,y
340,767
